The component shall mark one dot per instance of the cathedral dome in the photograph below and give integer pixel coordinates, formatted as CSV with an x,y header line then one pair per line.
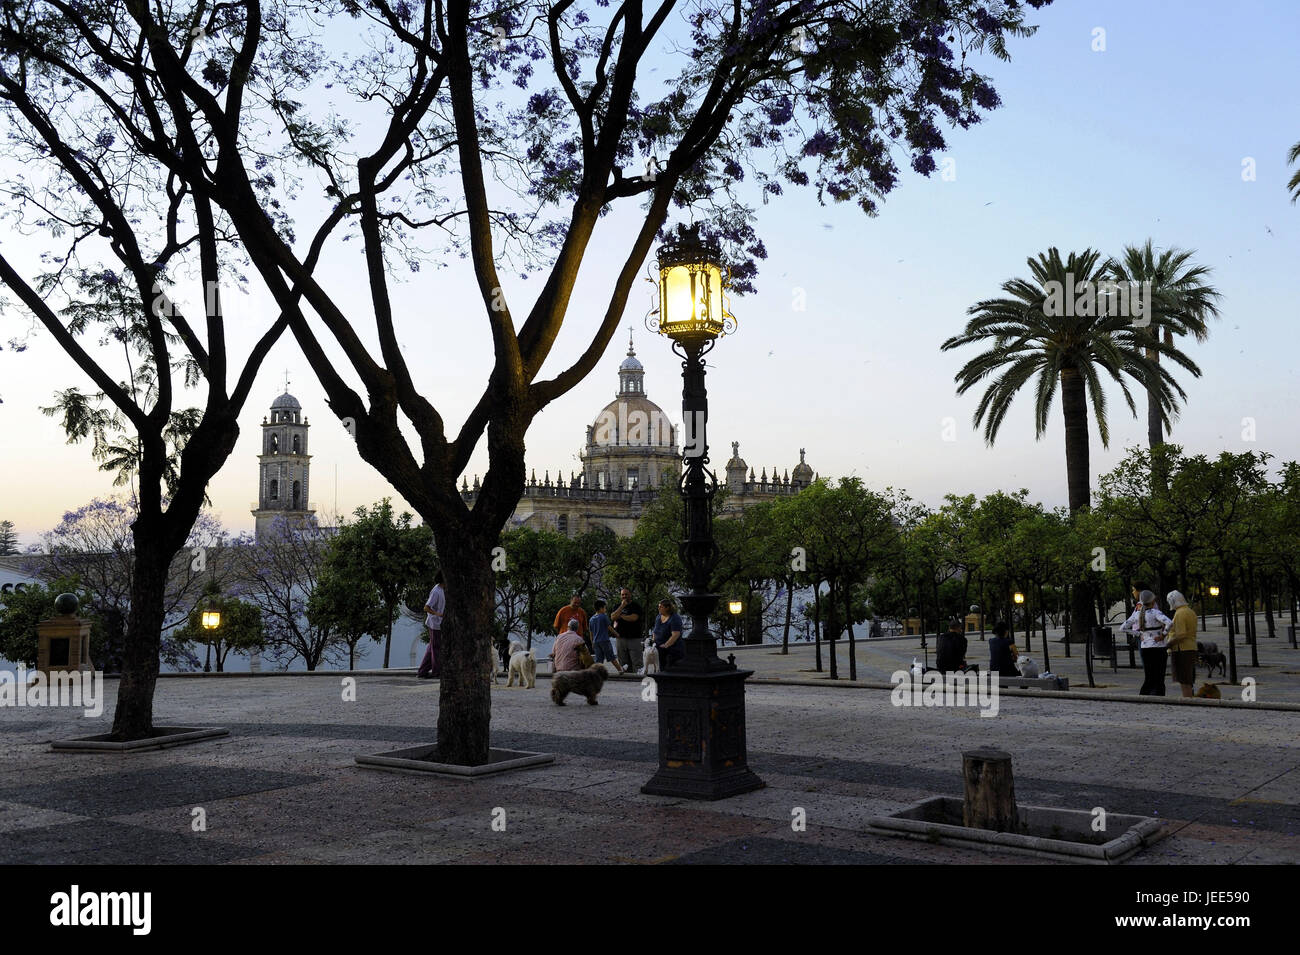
x,y
286,402
631,363
633,420
803,472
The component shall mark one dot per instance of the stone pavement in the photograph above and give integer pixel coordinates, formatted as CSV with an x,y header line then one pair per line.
x,y
283,786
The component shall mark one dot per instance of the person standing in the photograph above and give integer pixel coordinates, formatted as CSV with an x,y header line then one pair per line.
x,y
434,609
625,622
600,637
573,611
668,635
1182,642
1148,624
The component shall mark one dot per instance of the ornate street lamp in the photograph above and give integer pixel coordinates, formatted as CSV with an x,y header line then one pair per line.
x,y
211,619
702,752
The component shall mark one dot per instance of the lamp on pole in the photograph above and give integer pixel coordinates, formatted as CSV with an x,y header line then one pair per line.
x,y
737,607
211,620
701,698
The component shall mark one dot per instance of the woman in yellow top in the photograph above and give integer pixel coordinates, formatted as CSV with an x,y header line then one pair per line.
x,y
1182,642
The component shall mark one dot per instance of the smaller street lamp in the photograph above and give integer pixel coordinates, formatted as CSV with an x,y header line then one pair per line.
x,y
211,620
737,607
1214,590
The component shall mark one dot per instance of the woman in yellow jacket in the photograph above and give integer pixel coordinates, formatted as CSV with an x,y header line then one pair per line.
x,y
1182,642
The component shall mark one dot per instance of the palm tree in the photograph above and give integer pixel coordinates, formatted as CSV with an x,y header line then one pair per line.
x,y
1293,186
1048,330
1182,303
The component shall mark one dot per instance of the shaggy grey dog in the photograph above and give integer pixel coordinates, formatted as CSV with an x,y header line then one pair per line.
x,y
586,683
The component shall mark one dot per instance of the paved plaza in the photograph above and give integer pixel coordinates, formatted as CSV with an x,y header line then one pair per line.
x,y
284,787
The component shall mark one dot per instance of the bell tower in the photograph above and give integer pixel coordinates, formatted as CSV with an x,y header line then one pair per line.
x,y
284,466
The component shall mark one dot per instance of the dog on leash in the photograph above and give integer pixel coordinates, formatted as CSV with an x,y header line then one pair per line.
x,y
523,664
649,658
586,683
1027,667
1211,658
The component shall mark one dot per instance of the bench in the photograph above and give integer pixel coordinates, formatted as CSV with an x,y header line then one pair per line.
x,y
1034,683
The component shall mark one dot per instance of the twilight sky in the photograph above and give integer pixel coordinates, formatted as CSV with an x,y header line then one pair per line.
x,y
1100,149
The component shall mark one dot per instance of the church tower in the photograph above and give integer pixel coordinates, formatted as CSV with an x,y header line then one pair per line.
x,y
284,466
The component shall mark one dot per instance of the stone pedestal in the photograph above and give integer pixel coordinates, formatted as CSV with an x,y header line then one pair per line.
x,y
912,627
63,645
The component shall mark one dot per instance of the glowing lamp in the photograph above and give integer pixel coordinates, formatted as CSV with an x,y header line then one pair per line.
x,y
1018,597
211,619
736,607
692,291
1214,590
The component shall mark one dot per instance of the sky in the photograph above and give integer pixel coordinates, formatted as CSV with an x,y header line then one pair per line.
x,y
1155,136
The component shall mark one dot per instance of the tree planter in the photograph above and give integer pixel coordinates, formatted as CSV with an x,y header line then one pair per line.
x,y
162,737
419,759
1063,834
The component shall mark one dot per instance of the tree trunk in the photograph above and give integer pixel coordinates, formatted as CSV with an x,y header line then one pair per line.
x,y
1155,426
834,631
789,608
464,697
989,794
134,716
388,639
1074,404
817,621
1042,611
848,617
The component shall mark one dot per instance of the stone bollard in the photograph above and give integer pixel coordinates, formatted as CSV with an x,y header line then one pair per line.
x,y
989,799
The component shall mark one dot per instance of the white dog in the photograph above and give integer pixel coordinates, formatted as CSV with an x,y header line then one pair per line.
x,y
493,664
523,664
1027,667
650,658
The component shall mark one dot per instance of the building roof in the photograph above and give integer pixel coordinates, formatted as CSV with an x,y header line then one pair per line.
x,y
286,402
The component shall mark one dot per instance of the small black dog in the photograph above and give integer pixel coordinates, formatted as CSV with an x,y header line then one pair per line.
x,y
1211,658
586,683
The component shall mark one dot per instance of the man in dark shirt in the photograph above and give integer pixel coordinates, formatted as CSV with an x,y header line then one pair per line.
x,y
626,623
1001,661
951,648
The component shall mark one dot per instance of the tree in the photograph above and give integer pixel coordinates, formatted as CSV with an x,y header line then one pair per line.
x,y
390,554
1040,334
538,567
8,539
807,93
350,607
111,186
279,575
240,628
1292,159
1182,303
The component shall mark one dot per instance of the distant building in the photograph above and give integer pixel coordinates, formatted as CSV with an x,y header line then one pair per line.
x,y
284,466
631,454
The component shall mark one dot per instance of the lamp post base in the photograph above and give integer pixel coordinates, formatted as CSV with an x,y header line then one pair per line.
x,y
702,735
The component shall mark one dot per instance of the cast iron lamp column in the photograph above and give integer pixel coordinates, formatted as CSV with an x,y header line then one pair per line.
x,y
701,699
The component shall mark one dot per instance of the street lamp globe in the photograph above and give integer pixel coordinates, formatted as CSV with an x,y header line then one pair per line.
x,y
1018,597
211,619
692,291
1214,590
736,607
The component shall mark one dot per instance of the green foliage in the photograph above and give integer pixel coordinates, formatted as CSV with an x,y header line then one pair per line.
x,y
8,539
22,610
349,607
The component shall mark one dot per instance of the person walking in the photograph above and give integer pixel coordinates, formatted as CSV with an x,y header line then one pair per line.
x,y
1181,641
573,611
600,637
625,623
434,609
668,635
1148,624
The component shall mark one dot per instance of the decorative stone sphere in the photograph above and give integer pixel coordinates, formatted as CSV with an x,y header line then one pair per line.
x,y
66,604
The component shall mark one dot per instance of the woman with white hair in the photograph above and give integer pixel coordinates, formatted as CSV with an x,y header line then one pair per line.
x,y
1150,625
1181,642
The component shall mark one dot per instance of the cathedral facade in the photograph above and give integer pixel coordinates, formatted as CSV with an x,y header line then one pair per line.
x,y
631,454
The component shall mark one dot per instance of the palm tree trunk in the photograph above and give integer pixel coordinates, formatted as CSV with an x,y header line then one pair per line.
x,y
1074,404
1155,425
